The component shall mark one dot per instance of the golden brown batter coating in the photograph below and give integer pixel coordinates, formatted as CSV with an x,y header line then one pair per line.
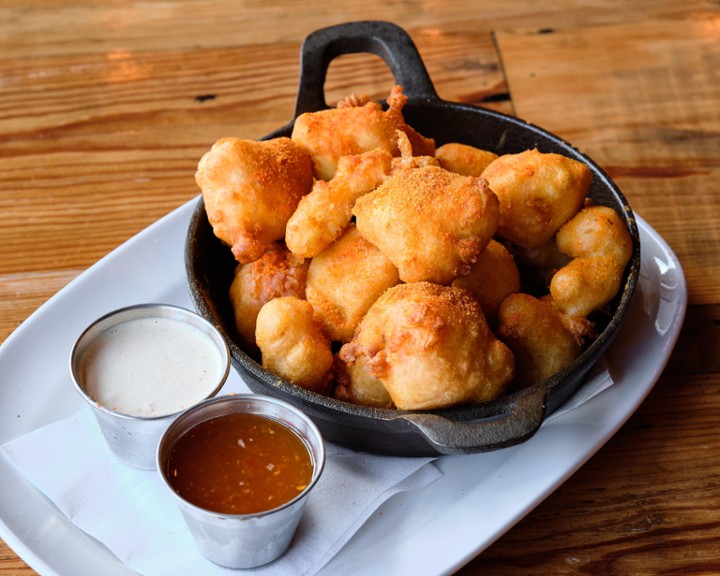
x,y
464,159
431,347
538,193
355,384
601,247
407,160
343,282
292,344
355,126
251,189
596,231
322,216
492,278
442,244
429,222
276,273
585,285
534,331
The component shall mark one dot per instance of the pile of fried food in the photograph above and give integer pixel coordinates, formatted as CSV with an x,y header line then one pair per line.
x,y
383,271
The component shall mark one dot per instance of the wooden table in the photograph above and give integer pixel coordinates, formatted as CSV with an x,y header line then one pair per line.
x,y
106,107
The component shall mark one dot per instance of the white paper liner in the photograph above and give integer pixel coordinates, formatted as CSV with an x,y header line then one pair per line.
x,y
131,513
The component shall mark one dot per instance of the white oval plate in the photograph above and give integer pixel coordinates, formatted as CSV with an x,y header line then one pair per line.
x,y
426,531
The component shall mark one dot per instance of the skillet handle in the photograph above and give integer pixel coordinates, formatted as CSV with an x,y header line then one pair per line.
x,y
384,39
457,437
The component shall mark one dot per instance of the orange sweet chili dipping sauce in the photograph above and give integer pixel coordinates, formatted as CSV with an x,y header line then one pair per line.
x,y
239,463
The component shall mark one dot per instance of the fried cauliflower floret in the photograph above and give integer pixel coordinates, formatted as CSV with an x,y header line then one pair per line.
x,y
600,247
431,347
276,273
322,215
343,282
355,126
251,189
596,231
585,285
356,384
534,331
464,159
492,278
538,193
429,222
293,346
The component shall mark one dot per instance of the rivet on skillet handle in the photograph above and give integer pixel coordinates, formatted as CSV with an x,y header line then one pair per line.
x,y
521,421
384,39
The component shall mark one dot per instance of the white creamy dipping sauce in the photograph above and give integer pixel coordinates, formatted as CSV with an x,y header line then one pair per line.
x,y
151,367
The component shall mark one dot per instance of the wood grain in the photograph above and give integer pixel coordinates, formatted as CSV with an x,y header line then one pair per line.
x,y
105,109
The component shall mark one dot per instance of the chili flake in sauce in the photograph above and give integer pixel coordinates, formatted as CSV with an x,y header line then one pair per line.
x,y
239,464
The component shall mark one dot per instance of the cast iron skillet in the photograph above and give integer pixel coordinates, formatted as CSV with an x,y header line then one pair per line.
x,y
503,422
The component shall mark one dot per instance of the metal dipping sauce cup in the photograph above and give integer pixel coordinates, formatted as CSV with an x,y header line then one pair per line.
x,y
244,540
133,439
